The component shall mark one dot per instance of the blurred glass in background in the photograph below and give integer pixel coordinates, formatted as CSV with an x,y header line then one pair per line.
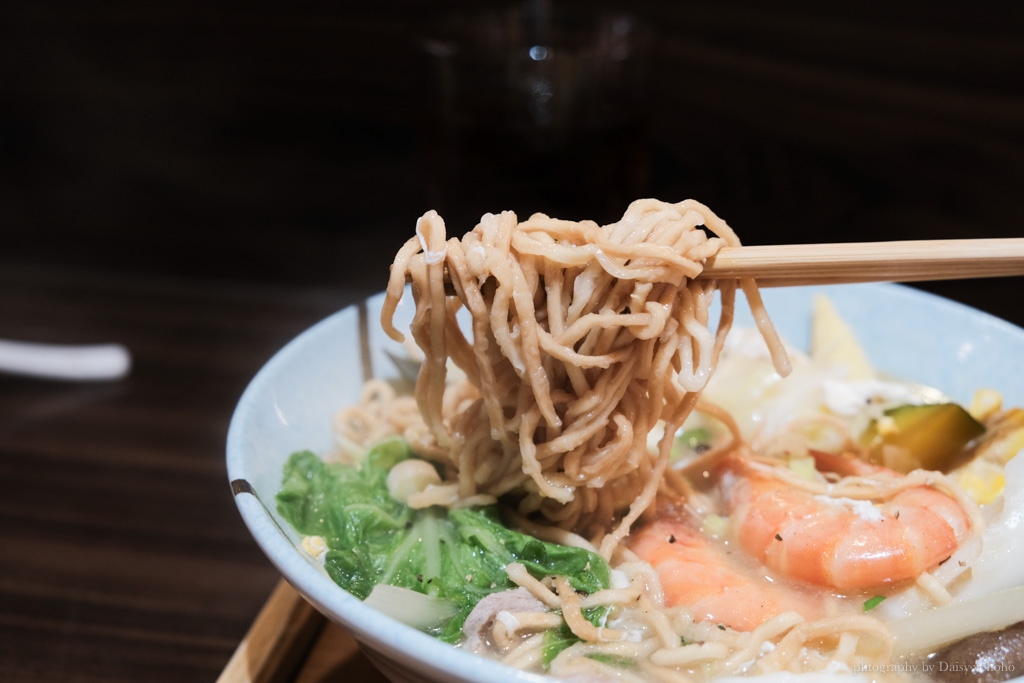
x,y
534,109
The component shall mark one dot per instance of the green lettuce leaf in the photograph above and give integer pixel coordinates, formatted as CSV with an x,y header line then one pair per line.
x,y
458,555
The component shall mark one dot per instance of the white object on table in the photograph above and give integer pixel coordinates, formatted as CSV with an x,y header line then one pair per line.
x,y
59,361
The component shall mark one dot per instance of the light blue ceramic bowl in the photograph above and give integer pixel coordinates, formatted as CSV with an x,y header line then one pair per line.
x,y
289,405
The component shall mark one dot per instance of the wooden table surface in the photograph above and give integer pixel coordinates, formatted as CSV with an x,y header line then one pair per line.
x,y
202,184
123,551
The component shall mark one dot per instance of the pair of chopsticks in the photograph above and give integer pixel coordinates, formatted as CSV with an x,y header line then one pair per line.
x,y
790,265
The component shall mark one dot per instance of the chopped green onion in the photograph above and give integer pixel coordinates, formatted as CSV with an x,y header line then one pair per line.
x,y
612,660
692,438
872,603
714,526
803,467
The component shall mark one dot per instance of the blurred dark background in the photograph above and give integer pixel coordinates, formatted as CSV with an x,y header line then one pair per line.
x,y
288,142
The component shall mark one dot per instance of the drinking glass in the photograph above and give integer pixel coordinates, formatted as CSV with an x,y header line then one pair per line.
x,y
536,110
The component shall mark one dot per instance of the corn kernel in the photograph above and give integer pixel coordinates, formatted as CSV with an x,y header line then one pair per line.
x,y
983,489
1010,446
985,404
314,545
887,425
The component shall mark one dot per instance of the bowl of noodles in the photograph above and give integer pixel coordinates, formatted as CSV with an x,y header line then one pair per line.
x,y
831,497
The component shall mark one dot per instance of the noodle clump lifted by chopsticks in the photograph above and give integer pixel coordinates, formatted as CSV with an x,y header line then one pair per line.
x,y
582,338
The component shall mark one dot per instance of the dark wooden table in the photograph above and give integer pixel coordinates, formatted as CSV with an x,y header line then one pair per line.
x,y
123,555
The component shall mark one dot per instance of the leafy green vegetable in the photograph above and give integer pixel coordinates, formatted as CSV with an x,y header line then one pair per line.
x,y
556,640
694,438
872,603
613,660
458,555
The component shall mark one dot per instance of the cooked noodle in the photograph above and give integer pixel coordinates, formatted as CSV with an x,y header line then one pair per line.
x,y
671,641
583,338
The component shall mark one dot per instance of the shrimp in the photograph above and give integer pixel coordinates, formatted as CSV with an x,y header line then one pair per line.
x,y
807,533
696,574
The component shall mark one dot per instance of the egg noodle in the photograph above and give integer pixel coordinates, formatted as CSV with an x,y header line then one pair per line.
x,y
583,340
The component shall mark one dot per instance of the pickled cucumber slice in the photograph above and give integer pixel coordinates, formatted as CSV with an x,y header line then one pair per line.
x,y
931,436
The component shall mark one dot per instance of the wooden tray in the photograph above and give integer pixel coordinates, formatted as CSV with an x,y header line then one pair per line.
x,y
290,642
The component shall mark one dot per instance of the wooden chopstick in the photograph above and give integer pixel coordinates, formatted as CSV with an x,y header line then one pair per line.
x,y
905,261
788,265
277,640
